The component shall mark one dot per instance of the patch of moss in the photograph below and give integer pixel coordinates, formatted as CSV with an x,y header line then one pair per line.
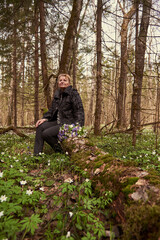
x,y
97,153
153,178
105,158
90,144
126,186
130,181
142,222
106,167
110,182
127,190
80,158
98,164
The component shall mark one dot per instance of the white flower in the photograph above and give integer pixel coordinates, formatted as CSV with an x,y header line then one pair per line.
x,y
49,164
159,159
1,213
154,152
124,156
68,234
21,170
23,182
70,214
2,160
5,239
42,189
29,192
3,198
68,180
2,153
1,174
11,166
66,153
87,180
17,160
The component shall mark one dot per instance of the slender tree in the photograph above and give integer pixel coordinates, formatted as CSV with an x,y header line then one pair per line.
x,y
44,54
121,122
15,72
99,69
36,70
141,38
68,45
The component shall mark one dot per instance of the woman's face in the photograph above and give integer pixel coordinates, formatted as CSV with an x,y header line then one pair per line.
x,y
63,82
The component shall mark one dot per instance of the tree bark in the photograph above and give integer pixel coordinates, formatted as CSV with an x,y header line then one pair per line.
x,y
75,47
99,70
15,74
36,70
67,52
139,67
47,91
121,122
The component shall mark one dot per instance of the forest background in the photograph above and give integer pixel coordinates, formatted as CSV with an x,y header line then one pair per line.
x,y
110,48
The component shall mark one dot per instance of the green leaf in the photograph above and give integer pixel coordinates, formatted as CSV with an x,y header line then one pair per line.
x,y
30,224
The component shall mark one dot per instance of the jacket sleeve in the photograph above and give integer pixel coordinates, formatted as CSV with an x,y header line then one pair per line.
x,y
78,110
48,115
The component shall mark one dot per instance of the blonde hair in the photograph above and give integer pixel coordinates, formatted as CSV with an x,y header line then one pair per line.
x,y
64,75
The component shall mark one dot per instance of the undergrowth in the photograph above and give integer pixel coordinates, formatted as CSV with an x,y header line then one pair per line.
x,y
43,197
46,198
144,154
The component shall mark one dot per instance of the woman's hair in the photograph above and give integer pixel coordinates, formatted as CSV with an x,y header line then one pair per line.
x,y
64,75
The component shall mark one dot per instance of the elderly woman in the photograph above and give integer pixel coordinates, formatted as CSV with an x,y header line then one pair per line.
x,y
67,108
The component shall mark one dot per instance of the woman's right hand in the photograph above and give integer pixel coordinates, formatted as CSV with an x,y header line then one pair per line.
x,y
40,121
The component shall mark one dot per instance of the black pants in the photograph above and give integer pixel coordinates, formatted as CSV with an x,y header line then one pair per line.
x,y
48,132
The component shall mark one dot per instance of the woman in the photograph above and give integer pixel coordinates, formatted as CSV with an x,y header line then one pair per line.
x,y
67,108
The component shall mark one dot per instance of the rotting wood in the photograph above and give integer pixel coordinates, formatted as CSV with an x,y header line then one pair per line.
x,y
108,173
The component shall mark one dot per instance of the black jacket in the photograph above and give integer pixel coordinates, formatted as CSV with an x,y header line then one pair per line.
x,y
69,106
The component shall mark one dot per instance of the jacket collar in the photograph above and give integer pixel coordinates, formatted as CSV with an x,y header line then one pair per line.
x,y
66,91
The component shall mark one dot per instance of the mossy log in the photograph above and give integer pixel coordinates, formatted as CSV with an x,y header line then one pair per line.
x,y
133,188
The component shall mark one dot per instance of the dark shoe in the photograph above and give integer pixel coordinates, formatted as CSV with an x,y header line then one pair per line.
x,y
58,148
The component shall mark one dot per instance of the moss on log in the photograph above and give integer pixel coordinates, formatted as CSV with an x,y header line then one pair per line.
x,y
136,204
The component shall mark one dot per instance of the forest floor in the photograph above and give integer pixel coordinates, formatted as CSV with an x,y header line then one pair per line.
x,y
102,188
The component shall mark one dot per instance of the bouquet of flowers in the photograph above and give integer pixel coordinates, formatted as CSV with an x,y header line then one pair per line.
x,y
71,131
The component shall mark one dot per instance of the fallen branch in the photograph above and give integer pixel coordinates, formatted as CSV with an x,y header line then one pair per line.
x,y
129,130
14,129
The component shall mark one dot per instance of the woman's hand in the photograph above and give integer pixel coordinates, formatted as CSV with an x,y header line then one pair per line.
x,y
40,121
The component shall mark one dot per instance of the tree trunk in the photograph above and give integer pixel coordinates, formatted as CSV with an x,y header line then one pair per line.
x,y
75,47
36,70
23,59
67,52
14,74
99,70
157,113
47,91
75,65
121,122
139,67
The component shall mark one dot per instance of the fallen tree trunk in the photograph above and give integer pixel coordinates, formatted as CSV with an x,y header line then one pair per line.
x,y
14,129
136,195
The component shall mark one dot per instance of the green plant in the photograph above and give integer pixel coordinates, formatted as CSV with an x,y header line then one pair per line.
x,y
30,224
